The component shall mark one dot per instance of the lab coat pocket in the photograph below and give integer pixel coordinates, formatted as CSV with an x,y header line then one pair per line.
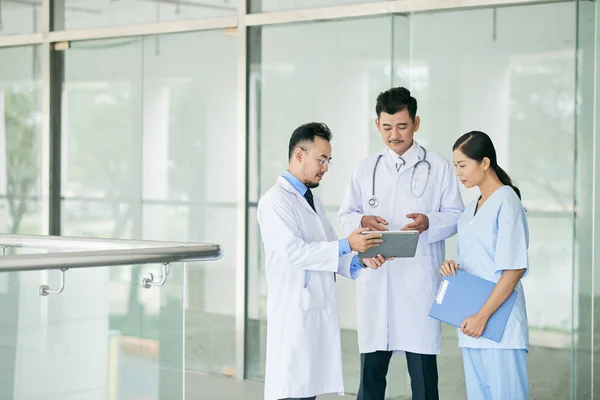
x,y
313,296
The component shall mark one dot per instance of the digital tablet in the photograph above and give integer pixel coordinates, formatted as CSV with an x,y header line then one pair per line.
x,y
401,244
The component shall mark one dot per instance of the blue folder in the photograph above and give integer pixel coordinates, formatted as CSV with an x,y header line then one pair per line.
x,y
463,295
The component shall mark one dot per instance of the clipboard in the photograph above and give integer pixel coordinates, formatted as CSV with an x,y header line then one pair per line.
x,y
463,295
399,244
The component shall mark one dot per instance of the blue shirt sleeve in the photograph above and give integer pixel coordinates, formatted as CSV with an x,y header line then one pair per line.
x,y
355,264
344,247
355,267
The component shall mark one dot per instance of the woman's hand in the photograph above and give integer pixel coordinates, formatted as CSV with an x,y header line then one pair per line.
x,y
449,268
474,325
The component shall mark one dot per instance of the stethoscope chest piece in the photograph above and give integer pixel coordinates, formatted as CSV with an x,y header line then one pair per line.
x,y
373,202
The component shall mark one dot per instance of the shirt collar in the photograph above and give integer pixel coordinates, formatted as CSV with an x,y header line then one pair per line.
x,y
406,156
295,182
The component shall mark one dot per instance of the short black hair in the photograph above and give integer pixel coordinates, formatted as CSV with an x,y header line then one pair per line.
x,y
306,133
395,100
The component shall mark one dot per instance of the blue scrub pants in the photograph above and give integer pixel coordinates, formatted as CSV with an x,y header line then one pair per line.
x,y
495,374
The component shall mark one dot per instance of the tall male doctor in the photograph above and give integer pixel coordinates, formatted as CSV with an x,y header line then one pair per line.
x,y
410,188
303,255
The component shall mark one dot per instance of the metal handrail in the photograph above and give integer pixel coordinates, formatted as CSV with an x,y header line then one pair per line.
x,y
81,243
106,258
94,252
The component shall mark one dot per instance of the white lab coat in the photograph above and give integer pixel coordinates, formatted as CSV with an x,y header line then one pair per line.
x,y
304,354
393,301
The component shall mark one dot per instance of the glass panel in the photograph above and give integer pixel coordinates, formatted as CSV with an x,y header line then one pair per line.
x,y
190,178
210,316
102,186
71,14
257,6
103,337
18,17
139,160
497,74
186,98
21,204
508,72
210,287
289,88
101,129
586,295
99,218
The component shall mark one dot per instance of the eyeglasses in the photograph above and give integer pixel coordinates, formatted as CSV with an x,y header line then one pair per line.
x,y
325,162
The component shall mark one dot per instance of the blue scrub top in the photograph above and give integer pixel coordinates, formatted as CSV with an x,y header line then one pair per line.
x,y
489,242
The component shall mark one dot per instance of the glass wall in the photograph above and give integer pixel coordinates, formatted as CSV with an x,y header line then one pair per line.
x,y
101,139
505,71
148,125
587,275
21,141
142,122
21,202
18,17
104,14
294,78
69,346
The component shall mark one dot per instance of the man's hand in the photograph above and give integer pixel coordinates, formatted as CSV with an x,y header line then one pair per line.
x,y
421,223
359,242
373,222
375,262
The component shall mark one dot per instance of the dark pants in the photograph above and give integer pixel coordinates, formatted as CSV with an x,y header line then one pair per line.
x,y
303,398
422,369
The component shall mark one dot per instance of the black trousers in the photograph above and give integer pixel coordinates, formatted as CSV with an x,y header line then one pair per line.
x,y
422,369
303,398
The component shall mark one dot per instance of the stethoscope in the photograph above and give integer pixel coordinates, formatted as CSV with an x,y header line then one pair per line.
x,y
374,202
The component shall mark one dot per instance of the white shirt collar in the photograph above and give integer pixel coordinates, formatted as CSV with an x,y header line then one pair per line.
x,y
410,153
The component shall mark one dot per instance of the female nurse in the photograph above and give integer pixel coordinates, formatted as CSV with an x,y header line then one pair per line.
x,y
493,238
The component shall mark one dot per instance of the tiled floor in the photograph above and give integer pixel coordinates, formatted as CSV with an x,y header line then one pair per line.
x,y
549,363
207,387
553,364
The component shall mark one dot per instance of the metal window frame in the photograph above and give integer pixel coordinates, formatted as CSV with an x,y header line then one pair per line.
x,y
381,8
241,281
239,23
21,40
245,19
143,30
